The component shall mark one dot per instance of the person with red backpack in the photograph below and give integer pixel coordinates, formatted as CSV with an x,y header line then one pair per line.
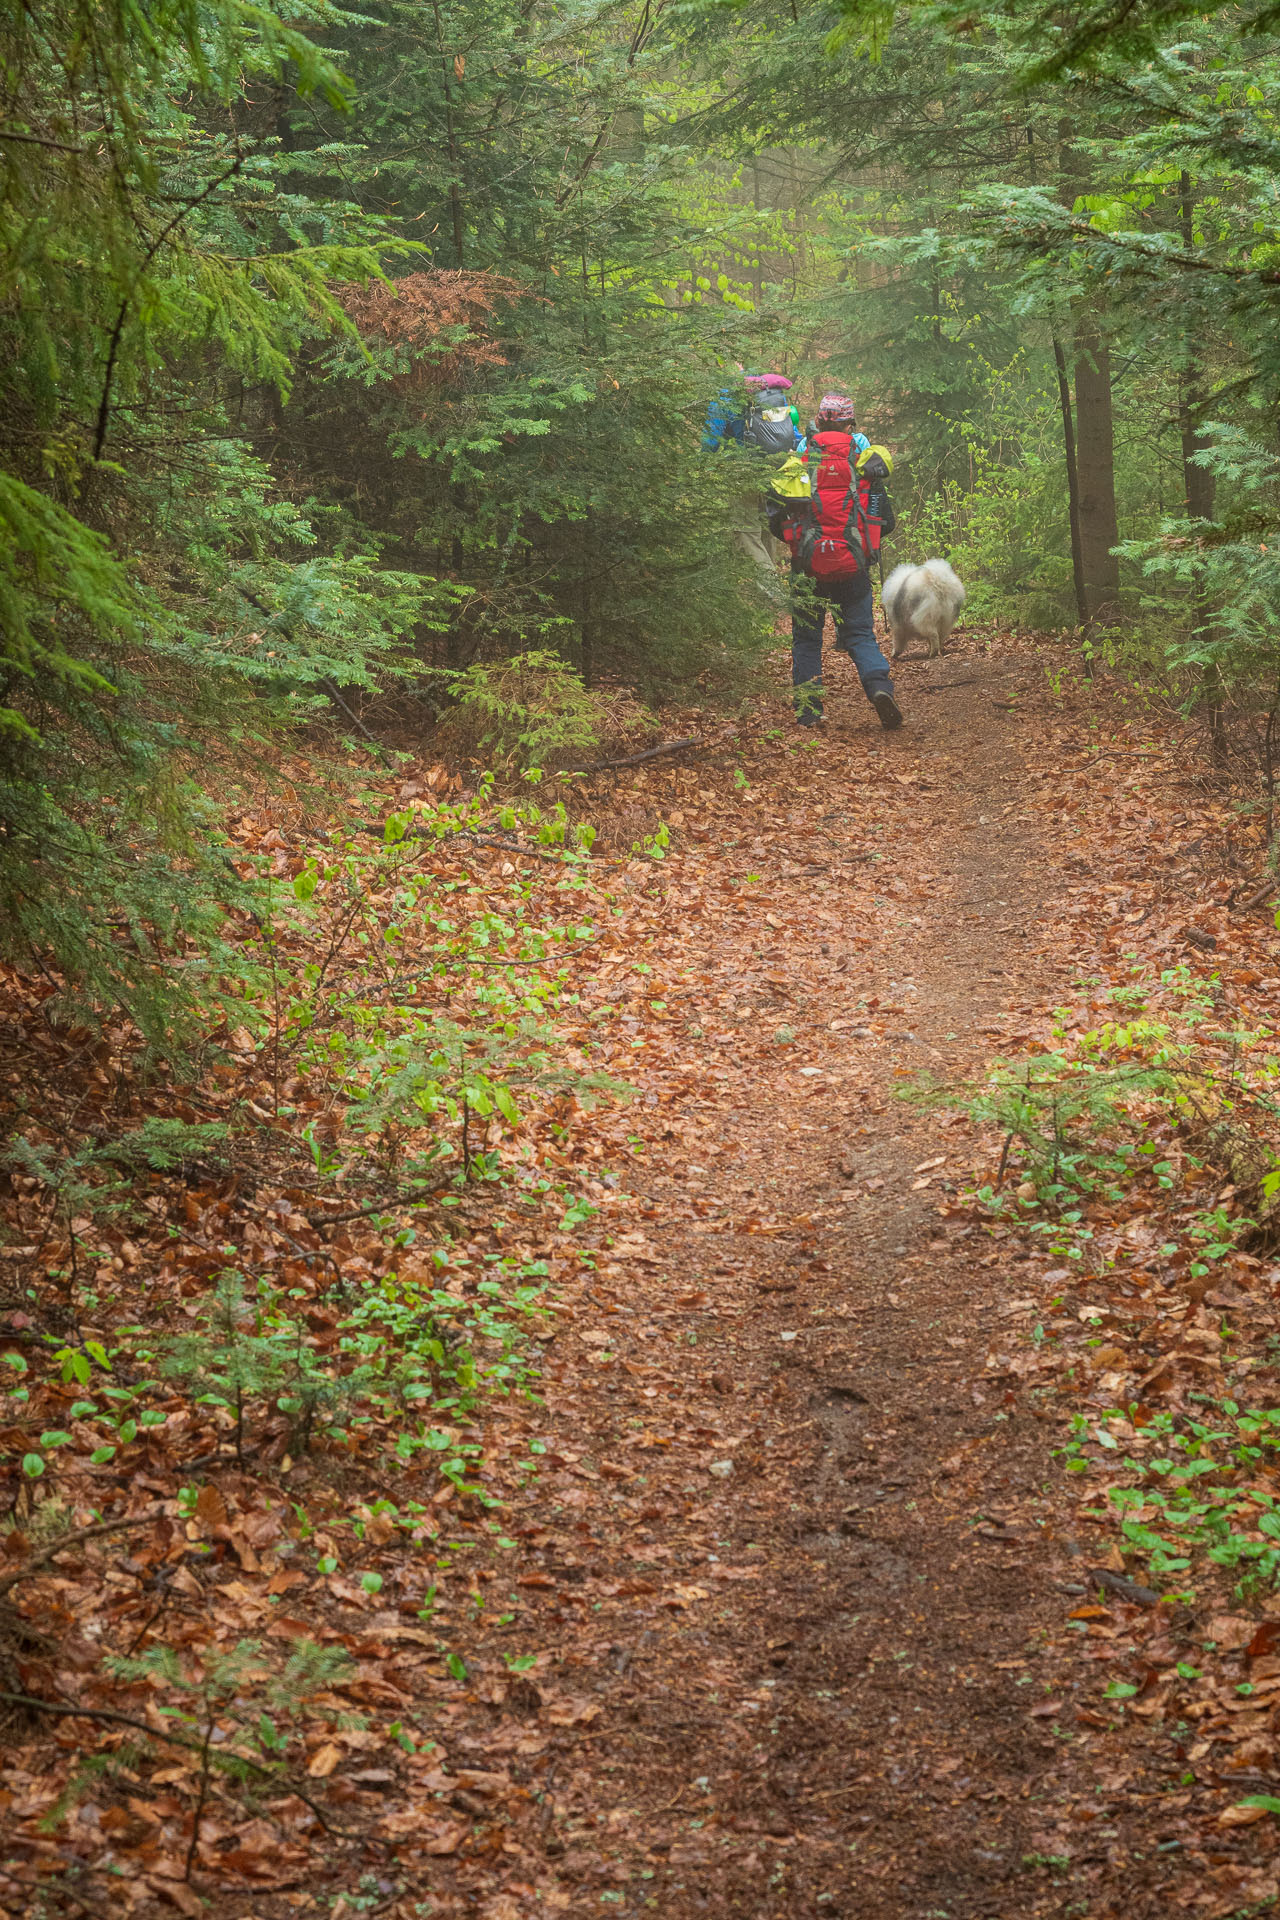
x,y
834,527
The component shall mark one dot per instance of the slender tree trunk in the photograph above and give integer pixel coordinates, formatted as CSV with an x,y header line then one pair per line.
x,y
1094,428
284,98
1198,489
455,648
1095,465
1069,454
451,140
1073,489
587,636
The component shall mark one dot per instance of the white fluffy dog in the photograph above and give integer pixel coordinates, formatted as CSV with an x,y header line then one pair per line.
x,y
922,603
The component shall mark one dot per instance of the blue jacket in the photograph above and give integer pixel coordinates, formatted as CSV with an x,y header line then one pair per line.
x,y
725,421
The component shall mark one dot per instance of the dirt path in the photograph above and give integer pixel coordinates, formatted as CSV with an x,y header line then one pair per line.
x,y
776,1602
831,1709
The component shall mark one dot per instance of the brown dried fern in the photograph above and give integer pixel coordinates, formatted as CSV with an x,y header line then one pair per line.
x,y
421,311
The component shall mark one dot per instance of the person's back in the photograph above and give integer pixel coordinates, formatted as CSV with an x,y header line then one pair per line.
x,y
849,511
772,424
726,419
765,423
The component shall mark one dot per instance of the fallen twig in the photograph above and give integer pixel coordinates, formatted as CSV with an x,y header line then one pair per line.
x,y
111,1717
332,689
1270,886
650,753
65,1540
55,1887
201,1797
1131,1590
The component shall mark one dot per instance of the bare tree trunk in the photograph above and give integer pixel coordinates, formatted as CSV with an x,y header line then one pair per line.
x,y
586,620
1073,489
1099,578
1198,488
451,139
587,640
1095,463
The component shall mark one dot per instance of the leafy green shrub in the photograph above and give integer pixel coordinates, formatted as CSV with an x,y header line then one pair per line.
x,y
155,591
1083,1124
1234,563
428,1024
258,1698
404,1352
247,1353
169,1146
532,711
1001,530
1067,1121
1200,1487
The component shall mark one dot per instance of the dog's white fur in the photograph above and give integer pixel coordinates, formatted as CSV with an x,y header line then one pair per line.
x,y
922,603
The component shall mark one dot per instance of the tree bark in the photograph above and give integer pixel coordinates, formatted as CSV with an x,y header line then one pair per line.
x,y
587,622
1099,574
1073,488
1068,448
451,141
1095,463
1198,488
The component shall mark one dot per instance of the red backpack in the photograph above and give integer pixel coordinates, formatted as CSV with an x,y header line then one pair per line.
x,y
845,538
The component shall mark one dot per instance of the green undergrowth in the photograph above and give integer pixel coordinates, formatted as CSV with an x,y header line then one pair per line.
x,y
1140,1153
393,1068
535,711
258,1700
272,1308
1167,1093
383,1379
1198,1485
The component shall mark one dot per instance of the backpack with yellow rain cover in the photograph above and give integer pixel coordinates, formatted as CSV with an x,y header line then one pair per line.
x,y
789,504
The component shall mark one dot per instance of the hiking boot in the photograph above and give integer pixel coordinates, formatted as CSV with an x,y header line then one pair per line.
x,y
888,709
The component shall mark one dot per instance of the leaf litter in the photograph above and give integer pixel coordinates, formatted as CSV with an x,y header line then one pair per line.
x,y
579,1439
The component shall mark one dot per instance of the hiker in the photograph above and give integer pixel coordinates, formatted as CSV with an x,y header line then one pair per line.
x,y
765,423
833,527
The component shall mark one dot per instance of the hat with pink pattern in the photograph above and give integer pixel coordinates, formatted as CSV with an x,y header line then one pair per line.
x,y
836,410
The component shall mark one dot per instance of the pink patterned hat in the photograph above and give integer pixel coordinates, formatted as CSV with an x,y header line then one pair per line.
x,y
836,408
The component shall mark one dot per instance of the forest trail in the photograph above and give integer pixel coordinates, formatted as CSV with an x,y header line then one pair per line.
x,y
771,1598
522,1390
828,1717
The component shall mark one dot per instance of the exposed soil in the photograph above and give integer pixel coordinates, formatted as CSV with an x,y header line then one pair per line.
x,y
777,1619
840,1721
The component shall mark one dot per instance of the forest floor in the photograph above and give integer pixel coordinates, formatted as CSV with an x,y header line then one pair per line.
x,y
800,1613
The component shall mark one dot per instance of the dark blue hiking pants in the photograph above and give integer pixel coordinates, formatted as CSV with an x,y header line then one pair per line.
x,y
853,610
